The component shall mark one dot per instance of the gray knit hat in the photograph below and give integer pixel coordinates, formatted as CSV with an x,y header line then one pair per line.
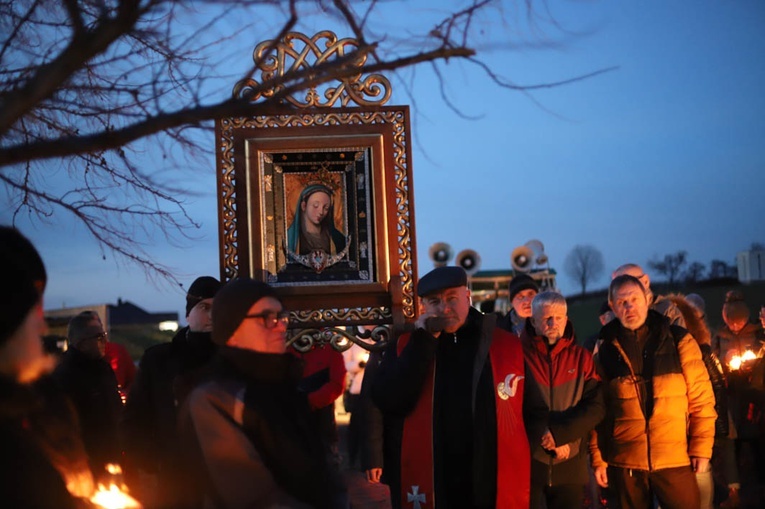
x,y
231,304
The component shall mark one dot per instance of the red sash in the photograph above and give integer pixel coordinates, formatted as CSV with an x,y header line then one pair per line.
x,y
513,455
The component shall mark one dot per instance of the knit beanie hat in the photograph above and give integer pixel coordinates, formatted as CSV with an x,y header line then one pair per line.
x,y
202,288
24,255
231,304
20,268
735,309
522,282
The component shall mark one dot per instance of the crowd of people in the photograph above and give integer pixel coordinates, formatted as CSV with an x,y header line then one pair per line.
x,y
464,410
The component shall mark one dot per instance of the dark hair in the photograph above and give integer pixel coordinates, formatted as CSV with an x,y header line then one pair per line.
x,y
79,324
620,281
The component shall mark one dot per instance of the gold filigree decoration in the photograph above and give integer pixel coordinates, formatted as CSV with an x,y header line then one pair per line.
x,y
297,53
358,315
340,339
227,194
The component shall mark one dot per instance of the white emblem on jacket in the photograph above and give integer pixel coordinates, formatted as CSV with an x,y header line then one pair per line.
x,y
508,388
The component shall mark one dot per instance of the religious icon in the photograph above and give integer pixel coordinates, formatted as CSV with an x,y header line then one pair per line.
x,y
315,235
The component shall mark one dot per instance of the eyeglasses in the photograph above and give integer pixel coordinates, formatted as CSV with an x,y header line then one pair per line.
x,y
270,319
98,337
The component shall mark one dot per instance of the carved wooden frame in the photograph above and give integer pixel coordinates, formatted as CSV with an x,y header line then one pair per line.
x,y
245,221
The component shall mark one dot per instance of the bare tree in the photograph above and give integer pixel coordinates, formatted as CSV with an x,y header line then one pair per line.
x,y
694,272
671,266
719,269
584,264
94,93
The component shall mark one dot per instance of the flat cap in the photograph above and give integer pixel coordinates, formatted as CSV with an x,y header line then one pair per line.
x,y
441,278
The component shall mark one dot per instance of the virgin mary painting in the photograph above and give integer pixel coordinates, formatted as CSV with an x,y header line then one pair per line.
x,y
313,227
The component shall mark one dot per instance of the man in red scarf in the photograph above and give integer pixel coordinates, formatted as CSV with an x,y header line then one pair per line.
x,y
456,384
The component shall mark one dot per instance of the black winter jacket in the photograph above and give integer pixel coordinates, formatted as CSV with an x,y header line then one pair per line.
x,y
92,387
166,375
41,453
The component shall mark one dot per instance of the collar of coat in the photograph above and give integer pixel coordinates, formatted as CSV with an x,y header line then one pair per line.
x,y
532,340
257,366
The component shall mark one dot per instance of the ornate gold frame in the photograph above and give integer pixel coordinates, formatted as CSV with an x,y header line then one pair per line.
x,y
243,216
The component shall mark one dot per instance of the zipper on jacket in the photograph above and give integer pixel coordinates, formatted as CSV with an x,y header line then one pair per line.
x,y
639,394
645,413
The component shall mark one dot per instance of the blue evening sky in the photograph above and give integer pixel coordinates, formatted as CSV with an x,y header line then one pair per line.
x,y
665,153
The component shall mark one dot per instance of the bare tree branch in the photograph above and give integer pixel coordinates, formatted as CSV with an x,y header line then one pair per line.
x,y
91,90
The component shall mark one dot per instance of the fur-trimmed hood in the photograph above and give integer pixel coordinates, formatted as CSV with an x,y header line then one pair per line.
x,y
694,322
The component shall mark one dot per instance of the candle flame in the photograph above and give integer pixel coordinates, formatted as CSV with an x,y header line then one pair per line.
x,y
737,360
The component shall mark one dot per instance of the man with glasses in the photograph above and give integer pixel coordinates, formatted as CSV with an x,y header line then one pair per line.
x,y
247,430
90,383
457,383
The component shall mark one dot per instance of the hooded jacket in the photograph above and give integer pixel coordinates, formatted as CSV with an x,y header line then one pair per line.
x,y
697,328
661,415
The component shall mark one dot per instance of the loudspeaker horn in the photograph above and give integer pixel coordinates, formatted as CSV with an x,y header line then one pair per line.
x,y
540,258
522,258
440,253
468,260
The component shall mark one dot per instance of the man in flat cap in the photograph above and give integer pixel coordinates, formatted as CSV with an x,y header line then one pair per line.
x,y
166,374
456,382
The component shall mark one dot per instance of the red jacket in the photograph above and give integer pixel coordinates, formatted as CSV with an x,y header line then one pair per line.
x,y
122,364
562,394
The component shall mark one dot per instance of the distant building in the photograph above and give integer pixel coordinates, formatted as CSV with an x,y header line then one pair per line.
x,y
122,314
751,266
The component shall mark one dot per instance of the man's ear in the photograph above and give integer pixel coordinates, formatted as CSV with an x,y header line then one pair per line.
x,y
646,281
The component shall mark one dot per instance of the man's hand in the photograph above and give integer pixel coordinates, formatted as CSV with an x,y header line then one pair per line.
x,y
699,464
601,476
421,323
562,452
548,442
374,474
